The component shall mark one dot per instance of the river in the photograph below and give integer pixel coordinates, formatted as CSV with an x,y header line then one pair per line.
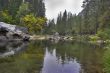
x,y
50,57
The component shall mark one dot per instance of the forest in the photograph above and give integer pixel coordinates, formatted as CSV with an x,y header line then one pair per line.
x,y
28,13
92,23
92,20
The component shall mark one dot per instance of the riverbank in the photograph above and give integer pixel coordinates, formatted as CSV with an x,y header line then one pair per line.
x,y
50,37
38,37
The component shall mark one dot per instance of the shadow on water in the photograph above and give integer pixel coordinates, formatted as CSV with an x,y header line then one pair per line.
x,y
49,57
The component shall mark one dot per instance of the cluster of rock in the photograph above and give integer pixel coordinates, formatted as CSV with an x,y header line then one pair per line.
x,y
13,32
56,37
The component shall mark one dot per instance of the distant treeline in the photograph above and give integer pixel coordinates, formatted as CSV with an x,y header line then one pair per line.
x,y
93,19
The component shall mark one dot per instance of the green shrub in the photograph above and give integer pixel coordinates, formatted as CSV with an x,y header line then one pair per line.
x,y
94,38
104,34
33,23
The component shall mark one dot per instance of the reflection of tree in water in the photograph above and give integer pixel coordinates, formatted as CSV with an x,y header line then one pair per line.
x,y
28,61
54,65
88,55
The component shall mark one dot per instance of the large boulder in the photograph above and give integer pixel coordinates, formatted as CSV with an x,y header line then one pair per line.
x,y
12,32
3,38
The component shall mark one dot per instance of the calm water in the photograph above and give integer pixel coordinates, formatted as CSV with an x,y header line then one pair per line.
x,y
50,57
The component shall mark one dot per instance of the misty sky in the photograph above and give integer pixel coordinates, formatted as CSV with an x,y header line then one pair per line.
x,y
53,7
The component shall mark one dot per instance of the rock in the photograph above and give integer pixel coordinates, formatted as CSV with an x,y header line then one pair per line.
x,y
3,38
26,38
13,32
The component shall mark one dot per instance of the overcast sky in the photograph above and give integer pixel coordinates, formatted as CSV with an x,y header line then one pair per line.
x,y
53,7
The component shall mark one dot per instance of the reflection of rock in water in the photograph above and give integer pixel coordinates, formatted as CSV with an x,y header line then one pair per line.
x,y
11,48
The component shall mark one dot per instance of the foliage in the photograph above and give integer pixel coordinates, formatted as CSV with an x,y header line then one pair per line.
x,y
51,27
105,20
18,12
94,38
23,9
104,34
5,17
32,23
36,6
66,23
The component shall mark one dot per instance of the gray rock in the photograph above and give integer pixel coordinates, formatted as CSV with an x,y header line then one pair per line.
x,y
13,32
3,38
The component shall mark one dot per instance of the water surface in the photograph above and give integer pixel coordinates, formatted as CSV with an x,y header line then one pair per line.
x,y
50,57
